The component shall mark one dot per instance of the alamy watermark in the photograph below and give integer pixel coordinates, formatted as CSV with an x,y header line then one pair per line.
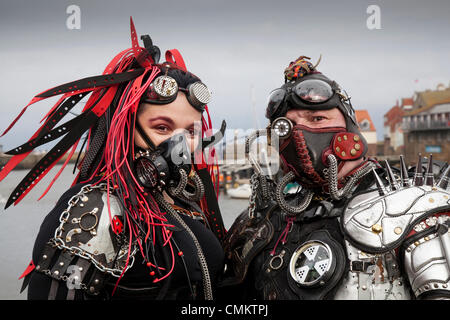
x,y
73,21
373,21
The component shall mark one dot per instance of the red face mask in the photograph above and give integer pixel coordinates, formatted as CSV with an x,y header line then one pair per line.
x,y
305,151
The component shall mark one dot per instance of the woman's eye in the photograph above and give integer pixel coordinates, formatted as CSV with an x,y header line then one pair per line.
x,y
162,128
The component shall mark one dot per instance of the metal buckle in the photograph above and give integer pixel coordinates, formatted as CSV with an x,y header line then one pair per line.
x,y
360,266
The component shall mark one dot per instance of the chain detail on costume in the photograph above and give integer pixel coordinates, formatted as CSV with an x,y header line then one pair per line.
x,y
332,173
289,209
202,260
58,241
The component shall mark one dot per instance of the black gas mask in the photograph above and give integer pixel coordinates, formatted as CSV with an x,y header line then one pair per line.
x,y
167,165
160,167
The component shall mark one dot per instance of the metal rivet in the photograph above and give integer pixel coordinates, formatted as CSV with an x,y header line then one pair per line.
x,y
44,256
427,238
431,200
56,273
345,137
338,149
436,285
364,287
416,243
357,146
339,139
356,138
38,267
96,281
61,263
353,152
343,153
398,230
377,228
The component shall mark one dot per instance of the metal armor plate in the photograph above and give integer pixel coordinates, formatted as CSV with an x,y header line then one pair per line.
x,y
91,230
379,223
426,257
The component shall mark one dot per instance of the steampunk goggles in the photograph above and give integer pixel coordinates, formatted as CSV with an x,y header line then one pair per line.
x,y
164,90
310,92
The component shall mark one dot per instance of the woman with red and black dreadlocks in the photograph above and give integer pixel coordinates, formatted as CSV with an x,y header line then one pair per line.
x,y
141,219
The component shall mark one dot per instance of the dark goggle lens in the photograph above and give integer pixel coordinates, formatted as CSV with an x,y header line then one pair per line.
x,y
275,99
315,91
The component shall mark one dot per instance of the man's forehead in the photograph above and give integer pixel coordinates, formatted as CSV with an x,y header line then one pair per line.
x,y
309,111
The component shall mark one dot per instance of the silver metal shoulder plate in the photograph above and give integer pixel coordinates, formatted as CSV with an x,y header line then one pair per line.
x,y
91,230
379,221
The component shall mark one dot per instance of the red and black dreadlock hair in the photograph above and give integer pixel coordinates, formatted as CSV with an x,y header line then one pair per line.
x,y
108,118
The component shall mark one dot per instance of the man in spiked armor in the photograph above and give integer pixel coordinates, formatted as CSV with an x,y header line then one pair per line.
x,y
354,229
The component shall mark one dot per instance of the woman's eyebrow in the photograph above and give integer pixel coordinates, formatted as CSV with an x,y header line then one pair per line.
x,y
167,119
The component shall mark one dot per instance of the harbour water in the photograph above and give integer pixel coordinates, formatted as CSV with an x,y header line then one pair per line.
x,y
19,225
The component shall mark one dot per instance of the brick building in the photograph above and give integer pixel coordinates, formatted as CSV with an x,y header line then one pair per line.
x,y
426,126
393,127
367,130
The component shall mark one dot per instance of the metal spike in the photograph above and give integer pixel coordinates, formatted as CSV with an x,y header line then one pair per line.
x,y
381,188
429,177
392,180
404,172
444,180
418,176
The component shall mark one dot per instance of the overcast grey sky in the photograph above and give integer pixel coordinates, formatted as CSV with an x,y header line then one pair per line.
x,y
231,45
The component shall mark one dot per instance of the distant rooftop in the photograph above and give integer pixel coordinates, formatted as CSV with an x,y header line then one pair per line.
x,y
425,100
364,120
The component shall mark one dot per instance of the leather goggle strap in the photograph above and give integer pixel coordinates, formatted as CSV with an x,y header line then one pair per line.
x,y
144,136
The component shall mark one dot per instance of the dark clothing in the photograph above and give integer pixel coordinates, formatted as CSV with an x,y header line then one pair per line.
x,y
137,283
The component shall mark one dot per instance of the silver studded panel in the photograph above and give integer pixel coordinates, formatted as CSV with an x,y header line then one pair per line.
x,y
379,222
373,283
427,263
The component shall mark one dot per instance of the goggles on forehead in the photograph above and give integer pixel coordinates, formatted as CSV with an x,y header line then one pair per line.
x,y
164,90
308,92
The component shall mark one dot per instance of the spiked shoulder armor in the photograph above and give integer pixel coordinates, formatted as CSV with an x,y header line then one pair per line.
x,y
411,216
89,244
378,220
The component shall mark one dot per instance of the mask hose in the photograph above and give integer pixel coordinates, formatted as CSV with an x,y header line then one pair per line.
x,y
180,189
279,196
335,192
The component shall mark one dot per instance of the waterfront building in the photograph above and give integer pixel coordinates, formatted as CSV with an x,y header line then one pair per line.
x,y
426,126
